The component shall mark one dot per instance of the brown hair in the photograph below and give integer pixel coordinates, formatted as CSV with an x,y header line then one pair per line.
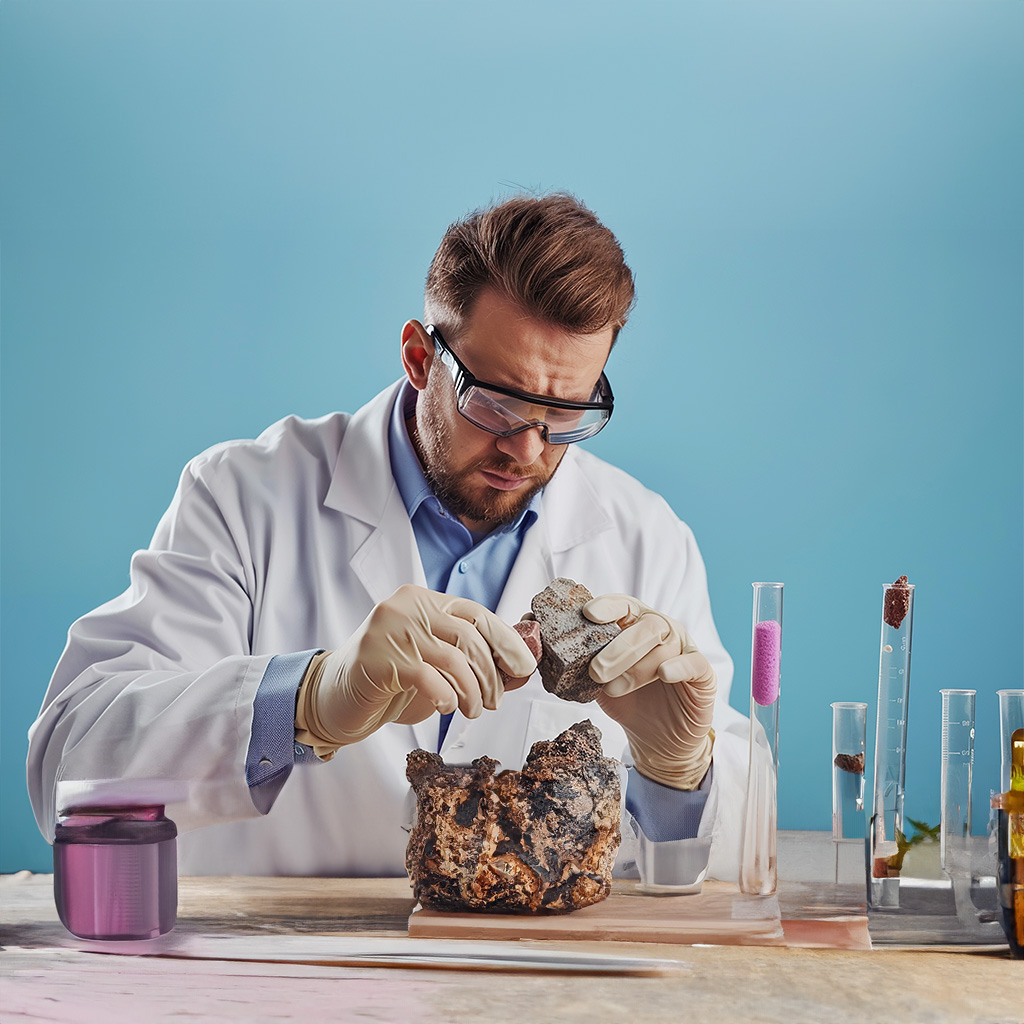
x,y
548,254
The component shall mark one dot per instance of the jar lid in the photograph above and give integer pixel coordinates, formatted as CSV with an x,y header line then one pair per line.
x,y
74,796
117,827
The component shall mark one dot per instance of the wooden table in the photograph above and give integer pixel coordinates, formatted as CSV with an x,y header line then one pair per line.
x,y
48,975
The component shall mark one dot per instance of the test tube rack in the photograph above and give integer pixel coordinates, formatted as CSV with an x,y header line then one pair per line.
x,y
910,900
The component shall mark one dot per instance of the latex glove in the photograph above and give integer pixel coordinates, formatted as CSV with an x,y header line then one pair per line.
x,y
658,686
416,653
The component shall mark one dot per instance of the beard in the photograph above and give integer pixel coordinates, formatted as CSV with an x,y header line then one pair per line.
x,y
453,487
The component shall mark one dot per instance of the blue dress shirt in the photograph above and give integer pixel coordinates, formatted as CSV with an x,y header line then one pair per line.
x,y
454,562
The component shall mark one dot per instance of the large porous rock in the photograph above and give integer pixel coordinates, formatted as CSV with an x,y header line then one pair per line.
x,y
569,640
543,839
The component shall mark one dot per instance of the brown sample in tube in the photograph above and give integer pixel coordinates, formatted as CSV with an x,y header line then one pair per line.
x,y
897,603
852,763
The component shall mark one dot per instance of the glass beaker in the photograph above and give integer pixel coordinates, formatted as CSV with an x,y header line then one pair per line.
x,y
957,770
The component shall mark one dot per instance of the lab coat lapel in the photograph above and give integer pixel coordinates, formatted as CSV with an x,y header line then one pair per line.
x,y
531,572
570,515
572,507
363,488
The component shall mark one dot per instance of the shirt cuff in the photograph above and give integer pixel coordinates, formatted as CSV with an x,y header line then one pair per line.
x,y
665,814
273,749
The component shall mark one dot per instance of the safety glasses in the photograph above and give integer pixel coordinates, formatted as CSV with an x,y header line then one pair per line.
x,y
506,411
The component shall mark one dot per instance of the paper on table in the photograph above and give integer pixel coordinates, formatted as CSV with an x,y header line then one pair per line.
x,y
366,951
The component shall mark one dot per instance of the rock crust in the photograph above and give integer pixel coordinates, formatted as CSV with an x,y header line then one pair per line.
x,y
540,840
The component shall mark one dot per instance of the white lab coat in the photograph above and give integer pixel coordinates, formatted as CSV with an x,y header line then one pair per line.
x,y
284,544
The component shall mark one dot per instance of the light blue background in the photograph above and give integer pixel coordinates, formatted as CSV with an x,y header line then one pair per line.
x,y
218,213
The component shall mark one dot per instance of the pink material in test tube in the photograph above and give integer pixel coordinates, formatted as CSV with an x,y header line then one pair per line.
x,y
764,679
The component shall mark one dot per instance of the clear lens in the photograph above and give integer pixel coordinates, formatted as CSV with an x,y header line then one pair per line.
x,y
501,414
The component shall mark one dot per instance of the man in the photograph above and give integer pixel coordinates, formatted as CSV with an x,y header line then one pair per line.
x,y
320,601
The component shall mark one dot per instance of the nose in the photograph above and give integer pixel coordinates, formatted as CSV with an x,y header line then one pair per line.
x,y
525,446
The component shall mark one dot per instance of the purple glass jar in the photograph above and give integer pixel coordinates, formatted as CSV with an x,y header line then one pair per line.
x,y
115,872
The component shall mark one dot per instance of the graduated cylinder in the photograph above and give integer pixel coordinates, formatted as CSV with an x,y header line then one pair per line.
x,y
957,771
887,829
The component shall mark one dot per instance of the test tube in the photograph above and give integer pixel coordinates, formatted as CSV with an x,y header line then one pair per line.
x,y
758,869
849,734
955,782
1011,718
891,734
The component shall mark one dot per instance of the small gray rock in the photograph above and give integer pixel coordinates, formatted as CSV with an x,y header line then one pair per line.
x,y
569,639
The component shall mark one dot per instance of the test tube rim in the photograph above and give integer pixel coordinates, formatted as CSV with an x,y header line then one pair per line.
x,y
960,692
767,584
900,586
1012,693
846,704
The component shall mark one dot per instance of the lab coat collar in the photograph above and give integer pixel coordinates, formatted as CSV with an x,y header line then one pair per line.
x,y
364,489
359,488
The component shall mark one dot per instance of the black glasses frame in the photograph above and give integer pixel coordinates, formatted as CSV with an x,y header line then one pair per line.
x,y
466,380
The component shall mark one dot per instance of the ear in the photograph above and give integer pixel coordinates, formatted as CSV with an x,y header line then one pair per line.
x,y
417,353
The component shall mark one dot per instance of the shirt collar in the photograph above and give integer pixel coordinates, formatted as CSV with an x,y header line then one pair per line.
x,y
408,473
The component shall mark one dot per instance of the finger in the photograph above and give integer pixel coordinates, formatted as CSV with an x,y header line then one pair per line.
x,y
630,646
512,683
688,646
695,685
461,635
430,686
620,608
463,676
645,671
529,630
419,709
689,667
507,647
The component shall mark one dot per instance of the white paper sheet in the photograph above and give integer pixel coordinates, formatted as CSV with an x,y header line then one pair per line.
x,y
368,951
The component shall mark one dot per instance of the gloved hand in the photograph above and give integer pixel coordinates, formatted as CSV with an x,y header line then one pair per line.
x,y
416,653
658,687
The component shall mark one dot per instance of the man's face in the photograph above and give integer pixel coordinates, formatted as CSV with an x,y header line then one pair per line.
x,y
484,479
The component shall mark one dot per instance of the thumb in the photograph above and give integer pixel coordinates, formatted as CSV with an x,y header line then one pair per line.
x,y
692,668
620,608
